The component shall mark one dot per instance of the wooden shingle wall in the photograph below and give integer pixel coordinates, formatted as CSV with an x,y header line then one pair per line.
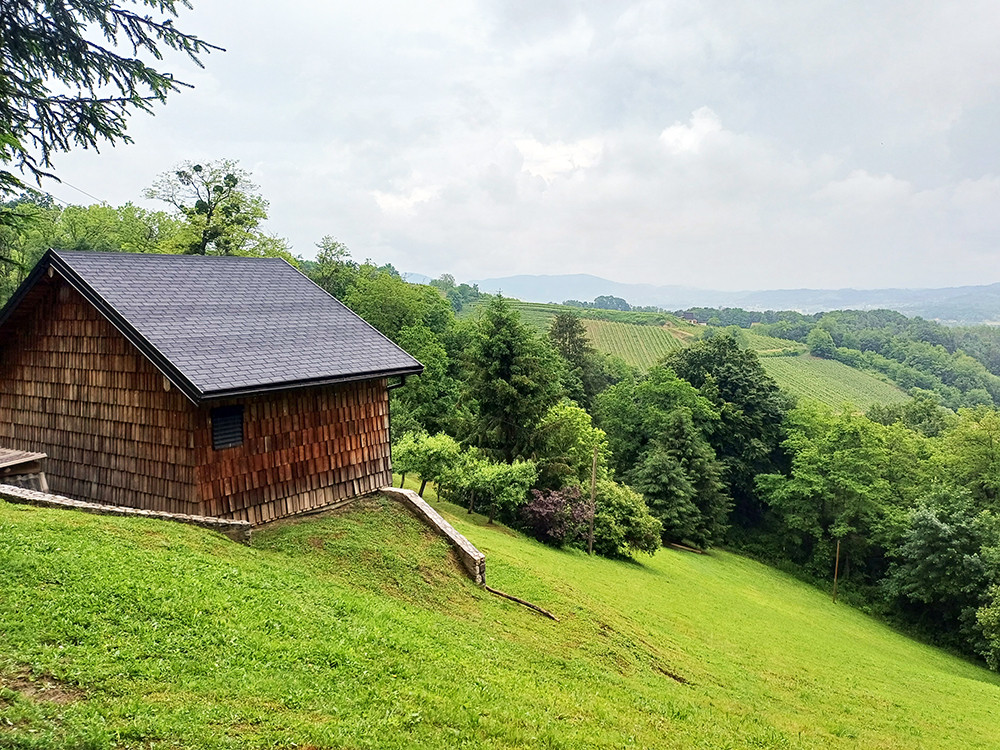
x,y
76,389
302,449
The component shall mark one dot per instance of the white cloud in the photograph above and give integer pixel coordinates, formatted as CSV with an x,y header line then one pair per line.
x,y
550,160
680,138
404,204
862,190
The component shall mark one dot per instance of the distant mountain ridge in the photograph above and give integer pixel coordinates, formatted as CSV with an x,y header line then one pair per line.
x,y
964,304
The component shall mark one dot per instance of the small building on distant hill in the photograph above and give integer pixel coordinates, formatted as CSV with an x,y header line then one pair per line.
x,y
220,386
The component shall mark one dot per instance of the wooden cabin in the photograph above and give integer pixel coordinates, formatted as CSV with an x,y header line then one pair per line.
x,y
220,386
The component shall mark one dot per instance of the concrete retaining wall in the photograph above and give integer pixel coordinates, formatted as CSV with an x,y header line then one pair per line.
x,y
238,531
471,558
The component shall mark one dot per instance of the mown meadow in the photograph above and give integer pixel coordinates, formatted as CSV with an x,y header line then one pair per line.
x,y
358,630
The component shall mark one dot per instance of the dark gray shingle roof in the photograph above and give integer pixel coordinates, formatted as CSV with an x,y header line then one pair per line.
x,y
230,325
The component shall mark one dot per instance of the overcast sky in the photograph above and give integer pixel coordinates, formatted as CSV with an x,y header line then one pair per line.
x,y
727,145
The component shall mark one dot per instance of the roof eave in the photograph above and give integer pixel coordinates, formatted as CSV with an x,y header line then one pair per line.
x,y
194,394
257,390
26,286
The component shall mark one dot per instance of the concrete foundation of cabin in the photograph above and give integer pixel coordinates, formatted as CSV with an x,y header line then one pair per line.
x,y
238,531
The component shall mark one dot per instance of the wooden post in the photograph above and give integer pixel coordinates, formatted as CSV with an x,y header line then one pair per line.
x,y
593,503
836,572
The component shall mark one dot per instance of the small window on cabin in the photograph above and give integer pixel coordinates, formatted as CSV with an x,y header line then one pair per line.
x,y
227,427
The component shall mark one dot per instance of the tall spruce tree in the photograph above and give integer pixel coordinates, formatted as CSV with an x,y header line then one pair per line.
x,y
511,382
72,72
586,377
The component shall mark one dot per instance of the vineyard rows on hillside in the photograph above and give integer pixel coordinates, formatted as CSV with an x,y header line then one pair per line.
x,y
803,376
830,382
536,314
769,345
640,346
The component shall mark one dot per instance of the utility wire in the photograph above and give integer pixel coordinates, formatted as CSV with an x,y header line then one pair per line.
x,y
84,192
79,190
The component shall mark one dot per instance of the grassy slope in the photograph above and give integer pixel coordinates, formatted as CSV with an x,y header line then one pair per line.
x,y
357,630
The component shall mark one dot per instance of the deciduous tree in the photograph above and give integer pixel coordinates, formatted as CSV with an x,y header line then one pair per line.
x,y
940,575
970,454
223,209
623,524
820,343
566,443
334,270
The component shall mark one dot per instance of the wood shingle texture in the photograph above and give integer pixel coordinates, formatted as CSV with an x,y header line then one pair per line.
x,y
119,367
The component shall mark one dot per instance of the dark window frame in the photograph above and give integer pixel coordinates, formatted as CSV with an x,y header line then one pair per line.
x,y
227,427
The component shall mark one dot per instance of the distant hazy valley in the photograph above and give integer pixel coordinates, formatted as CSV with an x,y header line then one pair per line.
x,y
965,304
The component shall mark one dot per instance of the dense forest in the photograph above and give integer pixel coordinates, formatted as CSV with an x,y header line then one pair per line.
x,y
702,449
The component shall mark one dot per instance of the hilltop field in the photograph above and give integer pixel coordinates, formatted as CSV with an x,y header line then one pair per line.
x,y
358,630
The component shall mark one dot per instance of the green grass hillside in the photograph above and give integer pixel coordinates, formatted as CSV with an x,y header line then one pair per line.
x,y
357,630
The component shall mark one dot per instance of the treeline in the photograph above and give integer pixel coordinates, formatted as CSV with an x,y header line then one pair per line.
x,y
723,317
610,302
635,316
213,208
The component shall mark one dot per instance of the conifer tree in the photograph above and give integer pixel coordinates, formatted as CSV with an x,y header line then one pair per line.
x,y
510,385
71,73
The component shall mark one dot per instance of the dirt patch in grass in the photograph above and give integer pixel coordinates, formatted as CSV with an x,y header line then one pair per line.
x,y
40,689
672,675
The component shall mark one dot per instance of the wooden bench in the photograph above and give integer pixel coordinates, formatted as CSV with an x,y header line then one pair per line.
x,y
23,469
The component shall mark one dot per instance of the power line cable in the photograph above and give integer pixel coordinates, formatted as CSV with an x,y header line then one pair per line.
x,y
84,192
